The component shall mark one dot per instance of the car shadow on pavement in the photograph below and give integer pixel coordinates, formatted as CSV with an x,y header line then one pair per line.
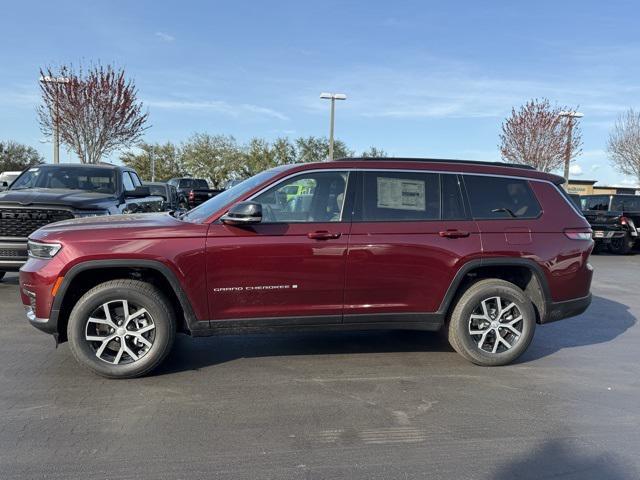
x,y
602,322
195,353
559,458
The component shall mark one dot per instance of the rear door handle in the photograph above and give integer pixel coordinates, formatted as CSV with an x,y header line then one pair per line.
x,y
323,235
453,233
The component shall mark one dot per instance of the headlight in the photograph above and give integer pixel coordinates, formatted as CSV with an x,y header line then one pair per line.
x,y
90,213
43,250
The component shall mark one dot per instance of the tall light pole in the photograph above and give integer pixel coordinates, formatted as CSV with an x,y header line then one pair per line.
x,y
333,97
567,151
56,131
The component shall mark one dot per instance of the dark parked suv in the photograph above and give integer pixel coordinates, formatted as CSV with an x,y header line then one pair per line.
x,y
485,251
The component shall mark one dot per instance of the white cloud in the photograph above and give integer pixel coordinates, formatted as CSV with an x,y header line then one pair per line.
x,y
217,106
575,170
165,37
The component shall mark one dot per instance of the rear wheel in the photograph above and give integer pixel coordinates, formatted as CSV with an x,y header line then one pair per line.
x,y
622,245
121,329
492,323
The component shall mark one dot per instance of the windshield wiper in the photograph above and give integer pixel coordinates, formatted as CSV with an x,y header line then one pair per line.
x,y
504,209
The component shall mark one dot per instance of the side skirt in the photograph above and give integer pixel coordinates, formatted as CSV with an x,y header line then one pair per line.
x,y
386,321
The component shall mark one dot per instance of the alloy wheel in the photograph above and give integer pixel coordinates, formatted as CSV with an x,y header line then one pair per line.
x,y
120,332
496,325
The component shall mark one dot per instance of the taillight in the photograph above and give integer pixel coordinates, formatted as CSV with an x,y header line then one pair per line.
x,y
578,234
624,221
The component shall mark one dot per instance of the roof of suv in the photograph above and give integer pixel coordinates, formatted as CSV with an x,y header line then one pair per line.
x,y
450,165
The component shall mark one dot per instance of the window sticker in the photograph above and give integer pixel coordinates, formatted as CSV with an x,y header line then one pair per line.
x,y
401,194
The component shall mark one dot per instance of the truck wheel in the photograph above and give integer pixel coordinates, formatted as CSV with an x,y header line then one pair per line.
x,y
121,329
492,323
622,245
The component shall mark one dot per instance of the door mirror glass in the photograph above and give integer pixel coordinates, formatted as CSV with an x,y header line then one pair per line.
x,y
243,213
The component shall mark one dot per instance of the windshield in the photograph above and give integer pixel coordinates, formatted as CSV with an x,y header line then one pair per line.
x,y
208,208
629,203
91,179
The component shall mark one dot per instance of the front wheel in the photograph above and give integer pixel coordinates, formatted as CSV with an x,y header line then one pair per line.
x,y
121,329
492,323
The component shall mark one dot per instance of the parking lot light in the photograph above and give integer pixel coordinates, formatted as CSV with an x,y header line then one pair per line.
x,y
567,153
333,97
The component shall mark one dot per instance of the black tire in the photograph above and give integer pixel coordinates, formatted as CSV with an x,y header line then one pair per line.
x,y
2,274
622,245
469,302
135,292
597,248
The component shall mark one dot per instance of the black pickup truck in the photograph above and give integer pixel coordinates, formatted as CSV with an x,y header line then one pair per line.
x,y
615,220
50,193
192,191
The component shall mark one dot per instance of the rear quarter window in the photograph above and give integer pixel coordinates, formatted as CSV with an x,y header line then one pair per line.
x,y
500,198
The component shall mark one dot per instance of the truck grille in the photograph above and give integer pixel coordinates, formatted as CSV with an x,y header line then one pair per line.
x,y
22,222
8,253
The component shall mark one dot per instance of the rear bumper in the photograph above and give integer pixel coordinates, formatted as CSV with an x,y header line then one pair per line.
x,y
607,235
569,308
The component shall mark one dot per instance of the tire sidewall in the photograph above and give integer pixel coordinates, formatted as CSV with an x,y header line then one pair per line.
x,y
470,302
84,352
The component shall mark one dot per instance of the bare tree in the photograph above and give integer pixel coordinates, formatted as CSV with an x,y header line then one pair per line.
x,y
624,144
96,111
537,135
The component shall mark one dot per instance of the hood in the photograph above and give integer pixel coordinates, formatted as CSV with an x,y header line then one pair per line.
x,y
119,228
137,221
79,199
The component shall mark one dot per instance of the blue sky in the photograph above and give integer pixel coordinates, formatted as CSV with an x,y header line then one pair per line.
x,y
423,78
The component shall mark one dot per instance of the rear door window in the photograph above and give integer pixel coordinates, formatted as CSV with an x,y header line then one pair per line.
x,y
500,198
400,196
597,202
630,203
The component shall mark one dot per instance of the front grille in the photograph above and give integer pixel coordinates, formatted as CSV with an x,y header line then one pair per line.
x,y
22,222
9,253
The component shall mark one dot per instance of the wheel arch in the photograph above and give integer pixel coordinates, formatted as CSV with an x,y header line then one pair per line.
x,y
525,273
82,277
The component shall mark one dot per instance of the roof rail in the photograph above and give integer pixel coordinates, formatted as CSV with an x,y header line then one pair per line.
x,y
435,160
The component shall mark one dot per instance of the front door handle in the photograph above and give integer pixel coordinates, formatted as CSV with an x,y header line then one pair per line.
x,y
453,233
323,235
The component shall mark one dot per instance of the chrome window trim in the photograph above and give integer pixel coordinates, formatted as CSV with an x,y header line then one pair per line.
x,y
412,170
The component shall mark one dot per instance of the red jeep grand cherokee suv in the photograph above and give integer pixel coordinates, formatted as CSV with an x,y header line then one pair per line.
x,y
484,250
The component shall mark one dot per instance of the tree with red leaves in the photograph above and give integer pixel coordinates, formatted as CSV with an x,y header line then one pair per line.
x,y
96,111
537,135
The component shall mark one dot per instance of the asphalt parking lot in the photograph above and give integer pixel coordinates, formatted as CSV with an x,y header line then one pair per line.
x,y
334,405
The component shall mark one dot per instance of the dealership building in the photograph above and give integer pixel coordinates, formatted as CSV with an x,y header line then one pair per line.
x,y
589,187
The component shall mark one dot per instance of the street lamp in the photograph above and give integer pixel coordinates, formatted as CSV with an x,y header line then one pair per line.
x,y
333,97
567,152
56,133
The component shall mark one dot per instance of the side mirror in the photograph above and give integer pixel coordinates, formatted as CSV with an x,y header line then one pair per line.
x,y
139,192
243,213
4,184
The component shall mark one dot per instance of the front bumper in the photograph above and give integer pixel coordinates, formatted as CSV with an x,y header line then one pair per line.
x,y
13,254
